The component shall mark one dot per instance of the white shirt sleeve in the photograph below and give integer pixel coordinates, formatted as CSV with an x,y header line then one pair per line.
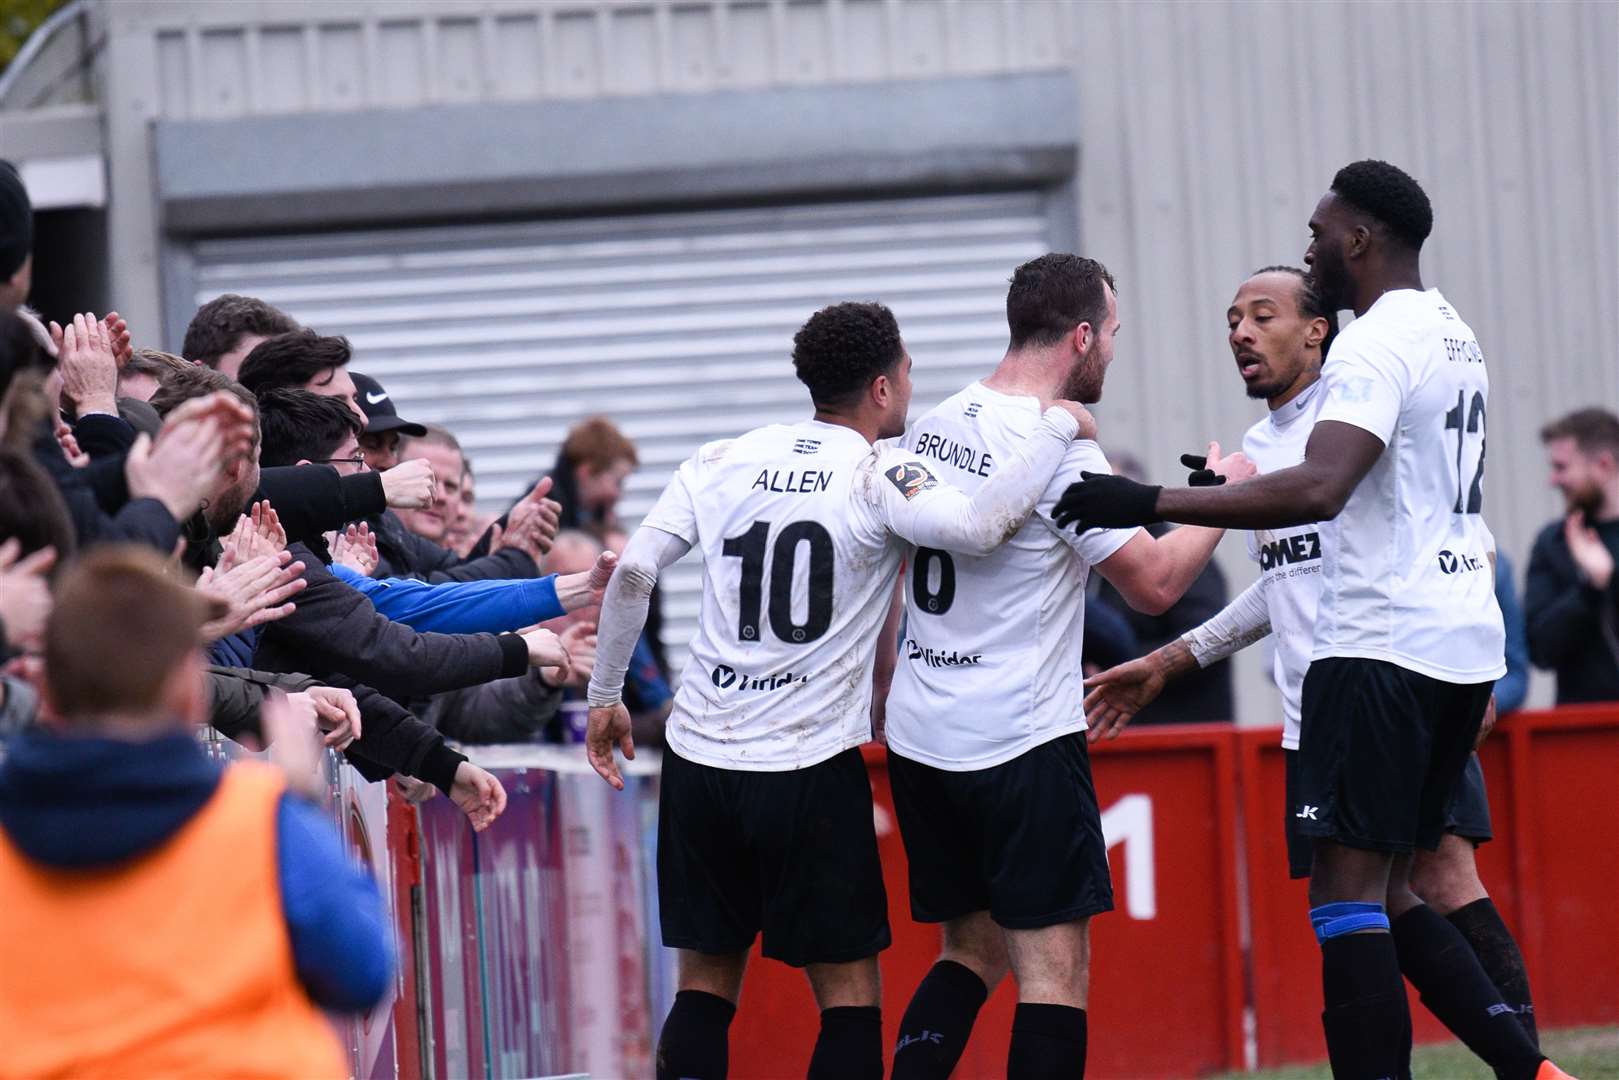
x,y
1235,627
914,504
624,607
676,509
1365,386
1092,545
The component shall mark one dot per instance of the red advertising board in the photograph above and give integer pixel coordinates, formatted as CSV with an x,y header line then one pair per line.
x,y
1166,963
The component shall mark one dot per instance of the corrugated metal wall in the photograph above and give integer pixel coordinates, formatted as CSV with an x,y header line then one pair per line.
x,y
677,325
1209,130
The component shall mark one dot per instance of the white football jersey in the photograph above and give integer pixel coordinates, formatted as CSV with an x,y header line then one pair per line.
x,y
1289,558
989,662
1406,573
797,526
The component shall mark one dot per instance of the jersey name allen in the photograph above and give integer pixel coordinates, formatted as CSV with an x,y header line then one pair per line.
x,y
792,481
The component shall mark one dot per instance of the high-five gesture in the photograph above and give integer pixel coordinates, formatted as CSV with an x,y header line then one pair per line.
x,y
89,365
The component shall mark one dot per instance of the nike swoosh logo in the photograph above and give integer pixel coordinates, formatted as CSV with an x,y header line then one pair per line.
x,y
376,399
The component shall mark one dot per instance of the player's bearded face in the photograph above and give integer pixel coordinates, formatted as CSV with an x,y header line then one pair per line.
x,y
1084,382
1267,334
1325,255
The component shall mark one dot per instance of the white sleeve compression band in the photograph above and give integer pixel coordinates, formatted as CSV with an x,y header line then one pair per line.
x,y
624,607
1235,627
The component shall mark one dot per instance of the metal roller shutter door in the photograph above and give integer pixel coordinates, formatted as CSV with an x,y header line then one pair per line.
x,y
677,325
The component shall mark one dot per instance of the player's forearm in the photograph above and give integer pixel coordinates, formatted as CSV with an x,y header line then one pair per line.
x,y
624,609
1239,624
979,525
1295,496
1173,660
1181,555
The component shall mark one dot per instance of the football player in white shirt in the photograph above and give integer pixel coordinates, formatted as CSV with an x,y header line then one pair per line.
x,y
991,781
765,814
1278,332
1408,640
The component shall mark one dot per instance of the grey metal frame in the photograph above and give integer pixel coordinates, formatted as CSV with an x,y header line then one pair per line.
x,y
376,168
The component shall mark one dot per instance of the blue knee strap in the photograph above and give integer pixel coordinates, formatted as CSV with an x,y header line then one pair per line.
x,y
1336,920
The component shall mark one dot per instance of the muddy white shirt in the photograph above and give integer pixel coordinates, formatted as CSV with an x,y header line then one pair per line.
x,y
989,665
1405,573
802,528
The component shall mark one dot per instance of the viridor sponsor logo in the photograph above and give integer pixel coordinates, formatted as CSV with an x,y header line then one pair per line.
x,y
1452,563
726,677
1304,547
914,650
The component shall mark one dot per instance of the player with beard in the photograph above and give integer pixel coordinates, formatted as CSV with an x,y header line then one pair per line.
x,y
1408,639
764,813
991,781
1279,330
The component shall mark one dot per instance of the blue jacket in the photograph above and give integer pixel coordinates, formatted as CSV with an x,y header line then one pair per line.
x,y
490,606
72,802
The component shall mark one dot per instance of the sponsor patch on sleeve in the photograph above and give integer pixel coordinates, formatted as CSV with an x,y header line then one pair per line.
x,y
911,478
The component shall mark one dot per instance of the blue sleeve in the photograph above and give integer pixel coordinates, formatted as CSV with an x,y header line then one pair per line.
x,y
1513,687
489,606
342,943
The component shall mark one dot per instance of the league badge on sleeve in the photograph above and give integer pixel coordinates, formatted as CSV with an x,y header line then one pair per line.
x,y
911,478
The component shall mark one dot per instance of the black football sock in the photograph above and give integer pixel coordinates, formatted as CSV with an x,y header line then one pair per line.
x,y
850,1046
1441,965
1366,1019
934,1030
695,1042
1048,1043
1496,948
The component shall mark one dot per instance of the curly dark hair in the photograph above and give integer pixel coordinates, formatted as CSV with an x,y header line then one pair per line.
x,y
842,348
300,425
1388,194
1052,295
292,360
219,324
1309,300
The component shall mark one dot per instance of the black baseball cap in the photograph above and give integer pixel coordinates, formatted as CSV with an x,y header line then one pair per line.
x,y
380,415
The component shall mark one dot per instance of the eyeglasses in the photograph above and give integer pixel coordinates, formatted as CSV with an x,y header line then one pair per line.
x,y
357,459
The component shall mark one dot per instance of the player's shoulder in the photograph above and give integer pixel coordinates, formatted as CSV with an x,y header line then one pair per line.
x,y
892,464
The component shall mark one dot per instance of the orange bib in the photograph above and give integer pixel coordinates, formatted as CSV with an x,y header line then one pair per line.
x,y
175,964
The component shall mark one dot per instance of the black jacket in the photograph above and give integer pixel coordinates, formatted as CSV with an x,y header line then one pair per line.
x,y
310,500
401,553
98,502
335,629
503,711
1202,696
1573,628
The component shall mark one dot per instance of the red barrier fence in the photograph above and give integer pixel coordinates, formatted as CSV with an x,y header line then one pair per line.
x,y
1193,817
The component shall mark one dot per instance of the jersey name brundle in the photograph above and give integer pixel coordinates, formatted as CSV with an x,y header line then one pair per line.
x,y
728,678
968,459
792,481
914,650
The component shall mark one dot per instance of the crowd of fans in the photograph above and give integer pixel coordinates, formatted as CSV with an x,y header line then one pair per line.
x,y
250,538
259,497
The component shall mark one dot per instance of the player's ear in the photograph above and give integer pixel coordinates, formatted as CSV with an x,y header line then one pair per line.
x,y
1316,332
1082,336
881,390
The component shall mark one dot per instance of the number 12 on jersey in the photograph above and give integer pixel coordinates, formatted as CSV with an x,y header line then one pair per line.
x,y
751,547
1473,413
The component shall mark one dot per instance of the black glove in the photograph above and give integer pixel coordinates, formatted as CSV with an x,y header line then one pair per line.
x,y
1102,501
1202,475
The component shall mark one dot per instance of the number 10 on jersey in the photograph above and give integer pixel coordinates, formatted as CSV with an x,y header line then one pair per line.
x,y
751,547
